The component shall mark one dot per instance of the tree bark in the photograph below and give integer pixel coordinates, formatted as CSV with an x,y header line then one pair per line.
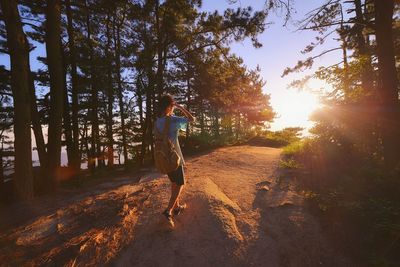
x,y
202,123
188,98
117,40
55,66
344,46
94,144
19,57
238,125
216,123
37,130
139,95
36,125
388,83
150,130
67,120
86,144
146,128
110,99
160,55
76,157
362,47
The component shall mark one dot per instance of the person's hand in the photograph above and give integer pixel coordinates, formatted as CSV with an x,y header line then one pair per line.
x,y
176,105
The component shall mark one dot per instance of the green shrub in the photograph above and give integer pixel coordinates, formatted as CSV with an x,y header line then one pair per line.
x,y
285,136
198,141
278,138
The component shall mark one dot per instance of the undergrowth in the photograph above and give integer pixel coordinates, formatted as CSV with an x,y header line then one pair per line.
x,y
355,199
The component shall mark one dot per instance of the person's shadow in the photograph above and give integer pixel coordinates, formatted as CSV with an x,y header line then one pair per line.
x,y
287,234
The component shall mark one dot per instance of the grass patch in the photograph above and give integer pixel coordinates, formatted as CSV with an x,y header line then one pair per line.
x,y
294,148
290,164
292,154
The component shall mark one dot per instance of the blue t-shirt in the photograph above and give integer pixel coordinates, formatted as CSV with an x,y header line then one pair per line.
x,y
176,124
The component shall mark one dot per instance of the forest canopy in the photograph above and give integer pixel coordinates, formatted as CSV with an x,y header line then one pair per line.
x,y
106,65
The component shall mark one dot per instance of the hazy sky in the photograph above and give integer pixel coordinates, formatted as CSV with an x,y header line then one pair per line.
x,y
281,48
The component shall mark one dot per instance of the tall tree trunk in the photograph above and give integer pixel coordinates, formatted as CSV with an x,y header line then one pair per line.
x,y
54,58
150,91
76,157
36,125
117,40
388,83
94,100
151,124
19,56
229,126
67,120
202,126
146,128
160,56
362,47
85,143
367,72
82,139
188,98
216,122
344,46
37,130
139,95
110,98
238,125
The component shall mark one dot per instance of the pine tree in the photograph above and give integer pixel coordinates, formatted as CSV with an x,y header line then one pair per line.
x,y
75,157
18,48
388,82
55,65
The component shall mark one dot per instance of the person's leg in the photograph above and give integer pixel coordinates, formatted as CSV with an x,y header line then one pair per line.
x,y
177,203
180,182
175,193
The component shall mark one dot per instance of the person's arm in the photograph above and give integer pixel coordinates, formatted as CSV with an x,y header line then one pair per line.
x,y
185,112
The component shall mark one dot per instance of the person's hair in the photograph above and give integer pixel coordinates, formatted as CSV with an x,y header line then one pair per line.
x,y
165,102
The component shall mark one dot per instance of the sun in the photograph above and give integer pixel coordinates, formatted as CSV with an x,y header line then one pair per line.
x,y
294,108
297,106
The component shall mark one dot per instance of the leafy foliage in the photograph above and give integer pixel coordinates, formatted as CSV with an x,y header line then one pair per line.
x,y
350,171
119,57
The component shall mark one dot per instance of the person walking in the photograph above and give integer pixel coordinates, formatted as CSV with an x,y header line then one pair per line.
x,y
166,107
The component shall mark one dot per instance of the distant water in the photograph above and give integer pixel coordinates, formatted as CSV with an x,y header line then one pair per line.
x,y
64,157
64,161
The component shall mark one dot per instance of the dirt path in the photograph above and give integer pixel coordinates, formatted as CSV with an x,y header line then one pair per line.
x,y
242,212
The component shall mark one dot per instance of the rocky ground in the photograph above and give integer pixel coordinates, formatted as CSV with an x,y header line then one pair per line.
x,y
241,211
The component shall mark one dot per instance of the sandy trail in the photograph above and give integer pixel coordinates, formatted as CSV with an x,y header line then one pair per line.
x,y
241,212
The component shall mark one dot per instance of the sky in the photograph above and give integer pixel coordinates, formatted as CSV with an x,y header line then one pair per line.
x,y
281,48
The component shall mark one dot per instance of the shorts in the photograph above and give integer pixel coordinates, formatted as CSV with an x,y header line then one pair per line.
x,y
177,176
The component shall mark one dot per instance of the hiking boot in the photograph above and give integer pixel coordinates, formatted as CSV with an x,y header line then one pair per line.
x,y
168,216
179,209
